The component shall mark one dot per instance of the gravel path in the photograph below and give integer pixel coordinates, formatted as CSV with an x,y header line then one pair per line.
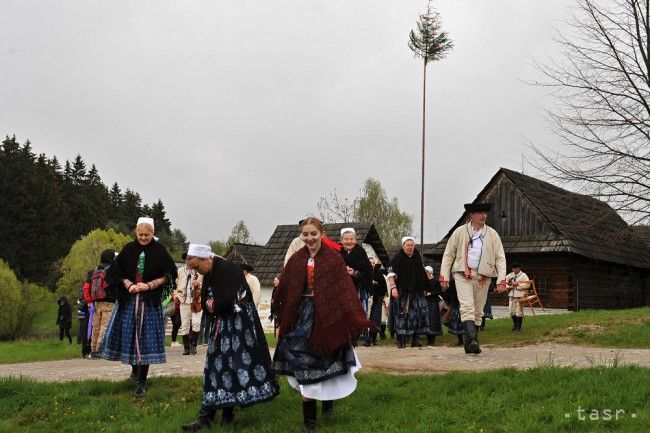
x,y
427,360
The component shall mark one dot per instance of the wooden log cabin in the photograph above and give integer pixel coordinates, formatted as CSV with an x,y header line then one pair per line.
x,y
578,250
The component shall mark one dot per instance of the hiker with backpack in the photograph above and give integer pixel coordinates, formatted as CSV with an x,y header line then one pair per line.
x,y
100,294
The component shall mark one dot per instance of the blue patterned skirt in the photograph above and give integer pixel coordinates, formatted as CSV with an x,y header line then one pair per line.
x,y
413,314
238,368
135,338
293,358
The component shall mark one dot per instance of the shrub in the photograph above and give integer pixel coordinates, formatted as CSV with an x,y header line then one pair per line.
x,y
83,256
10,299
34,303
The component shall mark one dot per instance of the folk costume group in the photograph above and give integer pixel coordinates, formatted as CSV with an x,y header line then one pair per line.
x,y
320,305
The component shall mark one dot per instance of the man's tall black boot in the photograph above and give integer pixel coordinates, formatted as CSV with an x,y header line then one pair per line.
x,y
471,342
431,340
373,338
194,339
204,420
382,331
186,344
400,341
519,321
309,416
514,322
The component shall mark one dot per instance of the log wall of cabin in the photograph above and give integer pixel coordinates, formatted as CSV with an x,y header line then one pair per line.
x,y
607,285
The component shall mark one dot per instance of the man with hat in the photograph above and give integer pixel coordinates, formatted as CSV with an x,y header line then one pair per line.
x,y
517,284
253,283
474,254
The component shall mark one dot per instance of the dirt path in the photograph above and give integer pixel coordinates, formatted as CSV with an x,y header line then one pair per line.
x,y
428,360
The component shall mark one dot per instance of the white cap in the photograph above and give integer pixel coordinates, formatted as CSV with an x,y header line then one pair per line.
x,y
429,269
145,220
348,230
407,238
199,250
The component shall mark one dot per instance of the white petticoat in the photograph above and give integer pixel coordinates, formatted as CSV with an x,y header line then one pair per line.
x,y
334,388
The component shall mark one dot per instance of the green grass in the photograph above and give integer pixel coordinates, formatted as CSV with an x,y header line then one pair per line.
x,y
498,401
32,350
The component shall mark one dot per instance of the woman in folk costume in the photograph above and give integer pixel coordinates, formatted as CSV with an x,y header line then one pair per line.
x,y
408,284
360,269
378,293
319,316
238,369
135,334
474,254
432,296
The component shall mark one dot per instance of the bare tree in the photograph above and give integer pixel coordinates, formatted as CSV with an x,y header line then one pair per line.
x,y
337,209
601,114
430,44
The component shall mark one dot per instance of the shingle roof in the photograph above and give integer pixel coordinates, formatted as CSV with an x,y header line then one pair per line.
x,y
577,224
271,260
244,253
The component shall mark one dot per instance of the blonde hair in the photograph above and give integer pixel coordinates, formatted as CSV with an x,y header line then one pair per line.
x,y
313,221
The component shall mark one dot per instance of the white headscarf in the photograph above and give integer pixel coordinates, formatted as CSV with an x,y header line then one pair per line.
x,y
145,220
199,250
407,238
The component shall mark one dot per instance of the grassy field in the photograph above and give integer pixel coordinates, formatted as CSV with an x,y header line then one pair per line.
x,y
545,399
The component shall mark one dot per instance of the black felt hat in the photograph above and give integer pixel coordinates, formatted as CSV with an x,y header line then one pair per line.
x,y
478,207
247,267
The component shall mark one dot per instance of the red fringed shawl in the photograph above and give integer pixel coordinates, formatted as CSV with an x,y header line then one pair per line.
x,y
338,316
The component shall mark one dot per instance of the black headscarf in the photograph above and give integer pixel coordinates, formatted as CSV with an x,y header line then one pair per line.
x,y
411,276
358,260
157,263
222,284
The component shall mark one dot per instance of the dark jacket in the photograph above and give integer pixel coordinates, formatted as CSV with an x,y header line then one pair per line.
x,y
64,316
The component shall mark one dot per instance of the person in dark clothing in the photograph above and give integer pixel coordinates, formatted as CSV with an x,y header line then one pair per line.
x,y
238,368
359,268
82,335
135,333
378,293
432,295
408,284
64,318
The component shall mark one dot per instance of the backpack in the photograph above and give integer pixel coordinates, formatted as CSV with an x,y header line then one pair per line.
x,y
98,284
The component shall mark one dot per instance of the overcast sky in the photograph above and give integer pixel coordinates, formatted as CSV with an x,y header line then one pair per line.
x,y
253,110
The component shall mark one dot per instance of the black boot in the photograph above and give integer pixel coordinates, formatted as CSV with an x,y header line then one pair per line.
x,y
328,407
204,420
373,337
514,322
400,342
460,340
382,331
309,416
482,327
228,416
134,373
186,344
194,339
141,388
470,340
519,320
415,341
431,340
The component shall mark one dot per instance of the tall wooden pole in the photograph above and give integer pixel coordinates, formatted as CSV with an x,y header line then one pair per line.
x,y
424,109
